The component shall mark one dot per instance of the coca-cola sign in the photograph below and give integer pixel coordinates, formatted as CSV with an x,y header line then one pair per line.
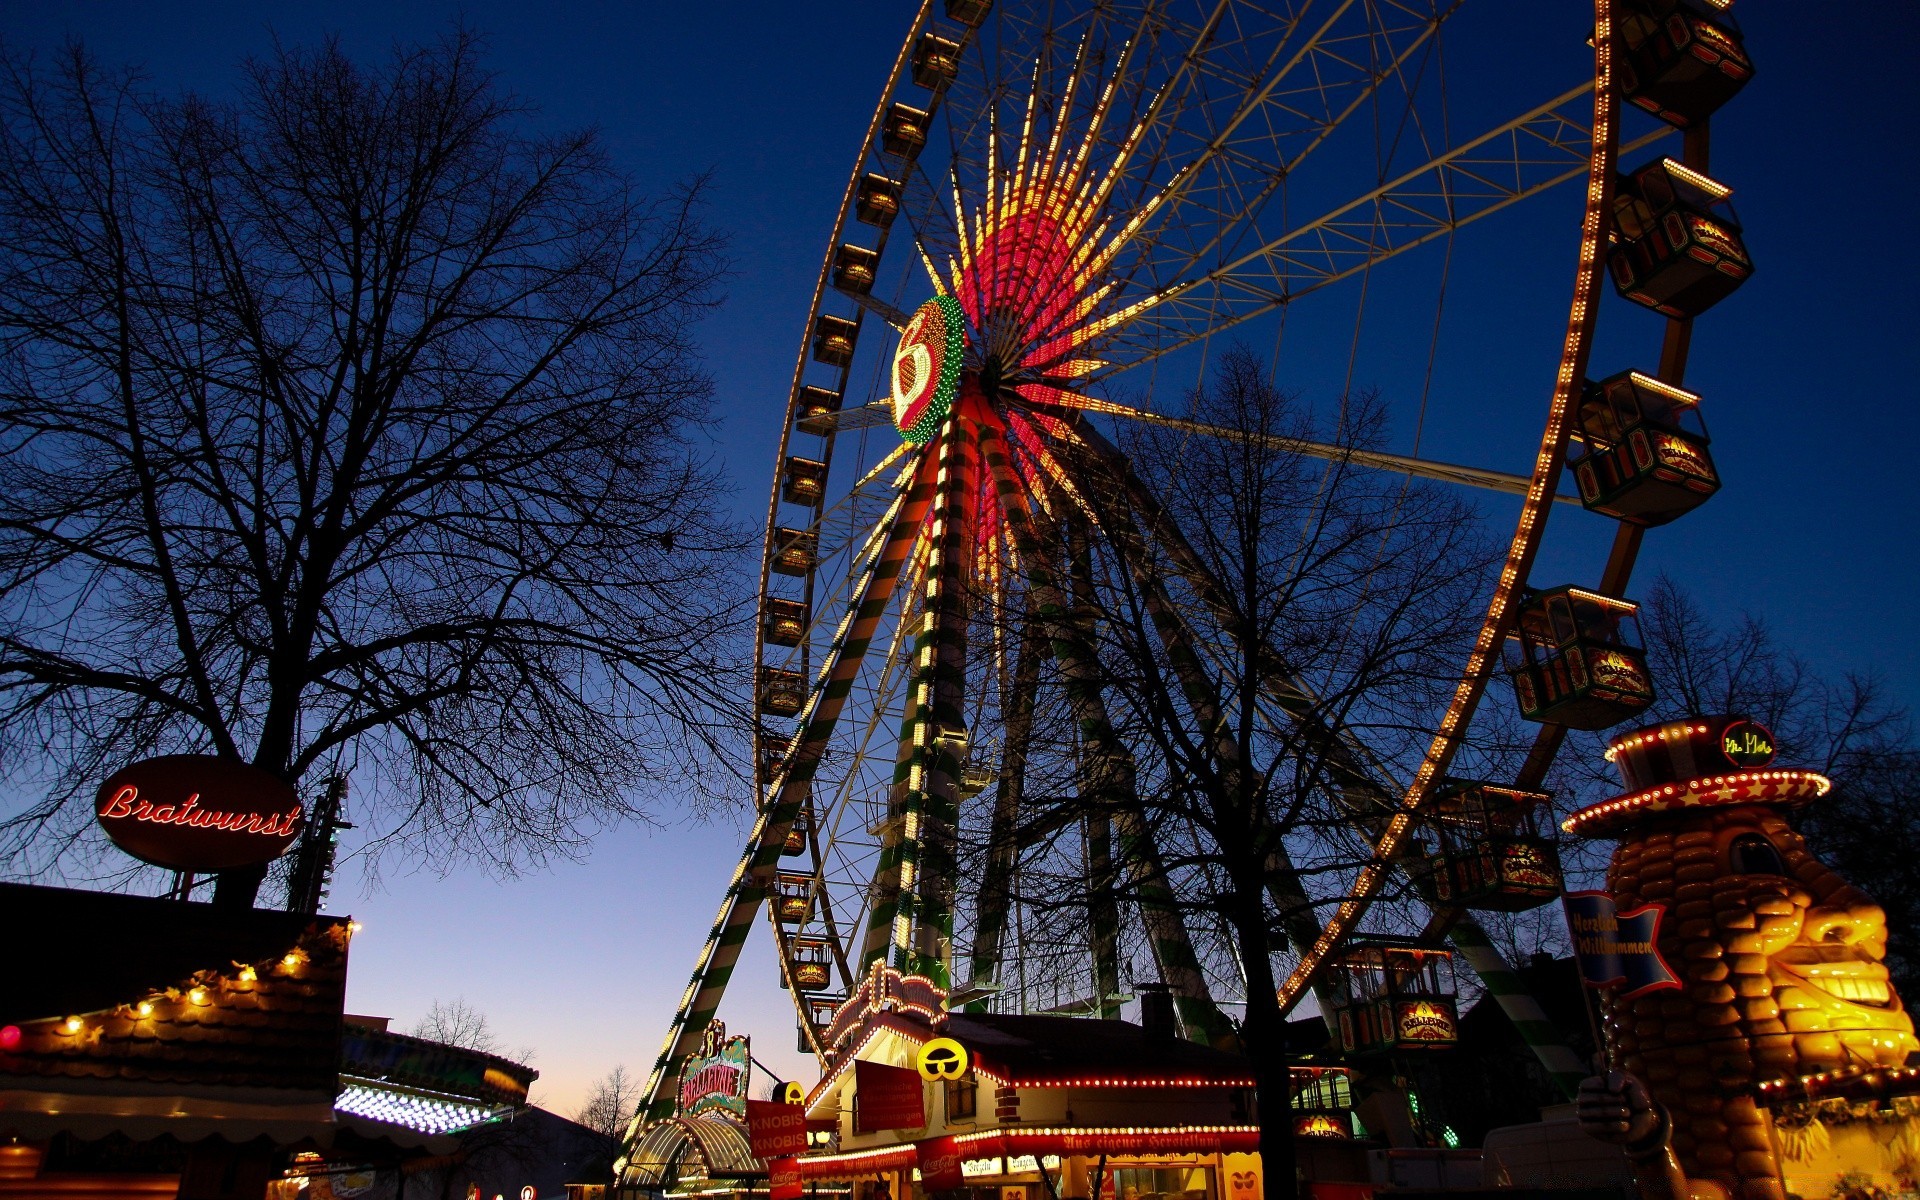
x,y
195,812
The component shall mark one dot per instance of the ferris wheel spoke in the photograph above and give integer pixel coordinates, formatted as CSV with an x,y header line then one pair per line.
x,y
878,307
1399,464
1536,151
1279,121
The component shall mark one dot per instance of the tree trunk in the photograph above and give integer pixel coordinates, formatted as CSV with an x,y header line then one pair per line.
x,y
1264,1037
238,888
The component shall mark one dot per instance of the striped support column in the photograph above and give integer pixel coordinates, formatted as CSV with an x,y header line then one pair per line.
x,y
1009,792
760,860
1103,913
1173,949
912,919
1507,989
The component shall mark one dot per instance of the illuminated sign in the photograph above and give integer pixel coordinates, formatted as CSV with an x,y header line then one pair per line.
x,y
1322,1125
941,1059
1522,865
774,1129
783,1180
926,368
1616,670
195,812
1425,1021
715,1080
939,1162
886,1098
1747,744
1617,949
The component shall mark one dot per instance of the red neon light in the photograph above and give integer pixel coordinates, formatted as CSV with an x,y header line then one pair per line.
x,y
717,1079
127,803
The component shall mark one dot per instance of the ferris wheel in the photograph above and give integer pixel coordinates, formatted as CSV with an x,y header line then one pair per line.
x,y
1059,216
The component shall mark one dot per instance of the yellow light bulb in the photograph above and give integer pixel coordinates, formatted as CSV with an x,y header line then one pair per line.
x,y
144,1008
71,1025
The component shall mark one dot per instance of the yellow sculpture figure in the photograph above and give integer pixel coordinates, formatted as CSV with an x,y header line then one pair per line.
x,y
1778,960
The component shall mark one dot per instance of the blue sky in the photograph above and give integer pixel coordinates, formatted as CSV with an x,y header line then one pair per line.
x,y
1810,394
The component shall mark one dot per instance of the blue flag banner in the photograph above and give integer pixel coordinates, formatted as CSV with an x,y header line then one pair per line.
x,y
1617,949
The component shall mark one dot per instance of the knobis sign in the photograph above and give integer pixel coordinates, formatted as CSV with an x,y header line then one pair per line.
x,y
195,812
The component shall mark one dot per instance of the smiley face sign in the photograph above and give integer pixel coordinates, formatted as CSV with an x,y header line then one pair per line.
x,y
926,368
941,1059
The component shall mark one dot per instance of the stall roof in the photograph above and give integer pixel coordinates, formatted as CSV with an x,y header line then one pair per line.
x,y
71,951
1037,1049
138,1015
406,1062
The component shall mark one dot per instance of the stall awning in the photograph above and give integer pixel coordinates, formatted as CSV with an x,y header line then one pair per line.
x,y
712,1145
857,1163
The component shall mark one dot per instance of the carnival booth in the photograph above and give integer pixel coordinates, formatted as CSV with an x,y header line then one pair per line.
x,y
703,1147
918,1099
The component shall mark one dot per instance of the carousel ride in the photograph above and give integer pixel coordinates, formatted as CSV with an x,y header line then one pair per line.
x,y
1059,216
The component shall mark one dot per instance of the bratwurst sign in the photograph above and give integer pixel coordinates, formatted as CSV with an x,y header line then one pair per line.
x,y
195,812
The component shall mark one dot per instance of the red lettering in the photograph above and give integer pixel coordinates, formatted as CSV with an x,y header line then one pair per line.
x,y
122,802
127,802
717,1077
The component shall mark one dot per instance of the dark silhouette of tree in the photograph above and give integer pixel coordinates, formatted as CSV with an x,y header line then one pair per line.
x,y
457,1023
1275,635
348,423
611,1103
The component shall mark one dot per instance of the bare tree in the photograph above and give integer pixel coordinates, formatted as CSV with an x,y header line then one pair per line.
x,y
456,1023
349,424
611,1104
1275,634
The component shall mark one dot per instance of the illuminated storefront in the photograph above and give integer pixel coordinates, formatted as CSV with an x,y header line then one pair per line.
x,y
1032,1107
704,1148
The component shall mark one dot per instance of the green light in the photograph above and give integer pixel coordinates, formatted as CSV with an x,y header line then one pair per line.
x,y
937,338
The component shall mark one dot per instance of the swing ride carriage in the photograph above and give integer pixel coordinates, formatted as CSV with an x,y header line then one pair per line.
x,y
1060,217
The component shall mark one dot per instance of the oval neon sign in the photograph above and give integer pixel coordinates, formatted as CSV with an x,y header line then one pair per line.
x,y
195,812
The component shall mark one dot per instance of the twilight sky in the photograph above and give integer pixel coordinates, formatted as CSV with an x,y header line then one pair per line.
x,y
1811,401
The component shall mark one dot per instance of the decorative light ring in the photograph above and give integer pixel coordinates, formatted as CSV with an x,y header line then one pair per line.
x,y
926,368
1778,789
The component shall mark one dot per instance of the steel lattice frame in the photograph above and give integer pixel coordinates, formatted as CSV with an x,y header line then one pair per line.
x,y
1178,127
